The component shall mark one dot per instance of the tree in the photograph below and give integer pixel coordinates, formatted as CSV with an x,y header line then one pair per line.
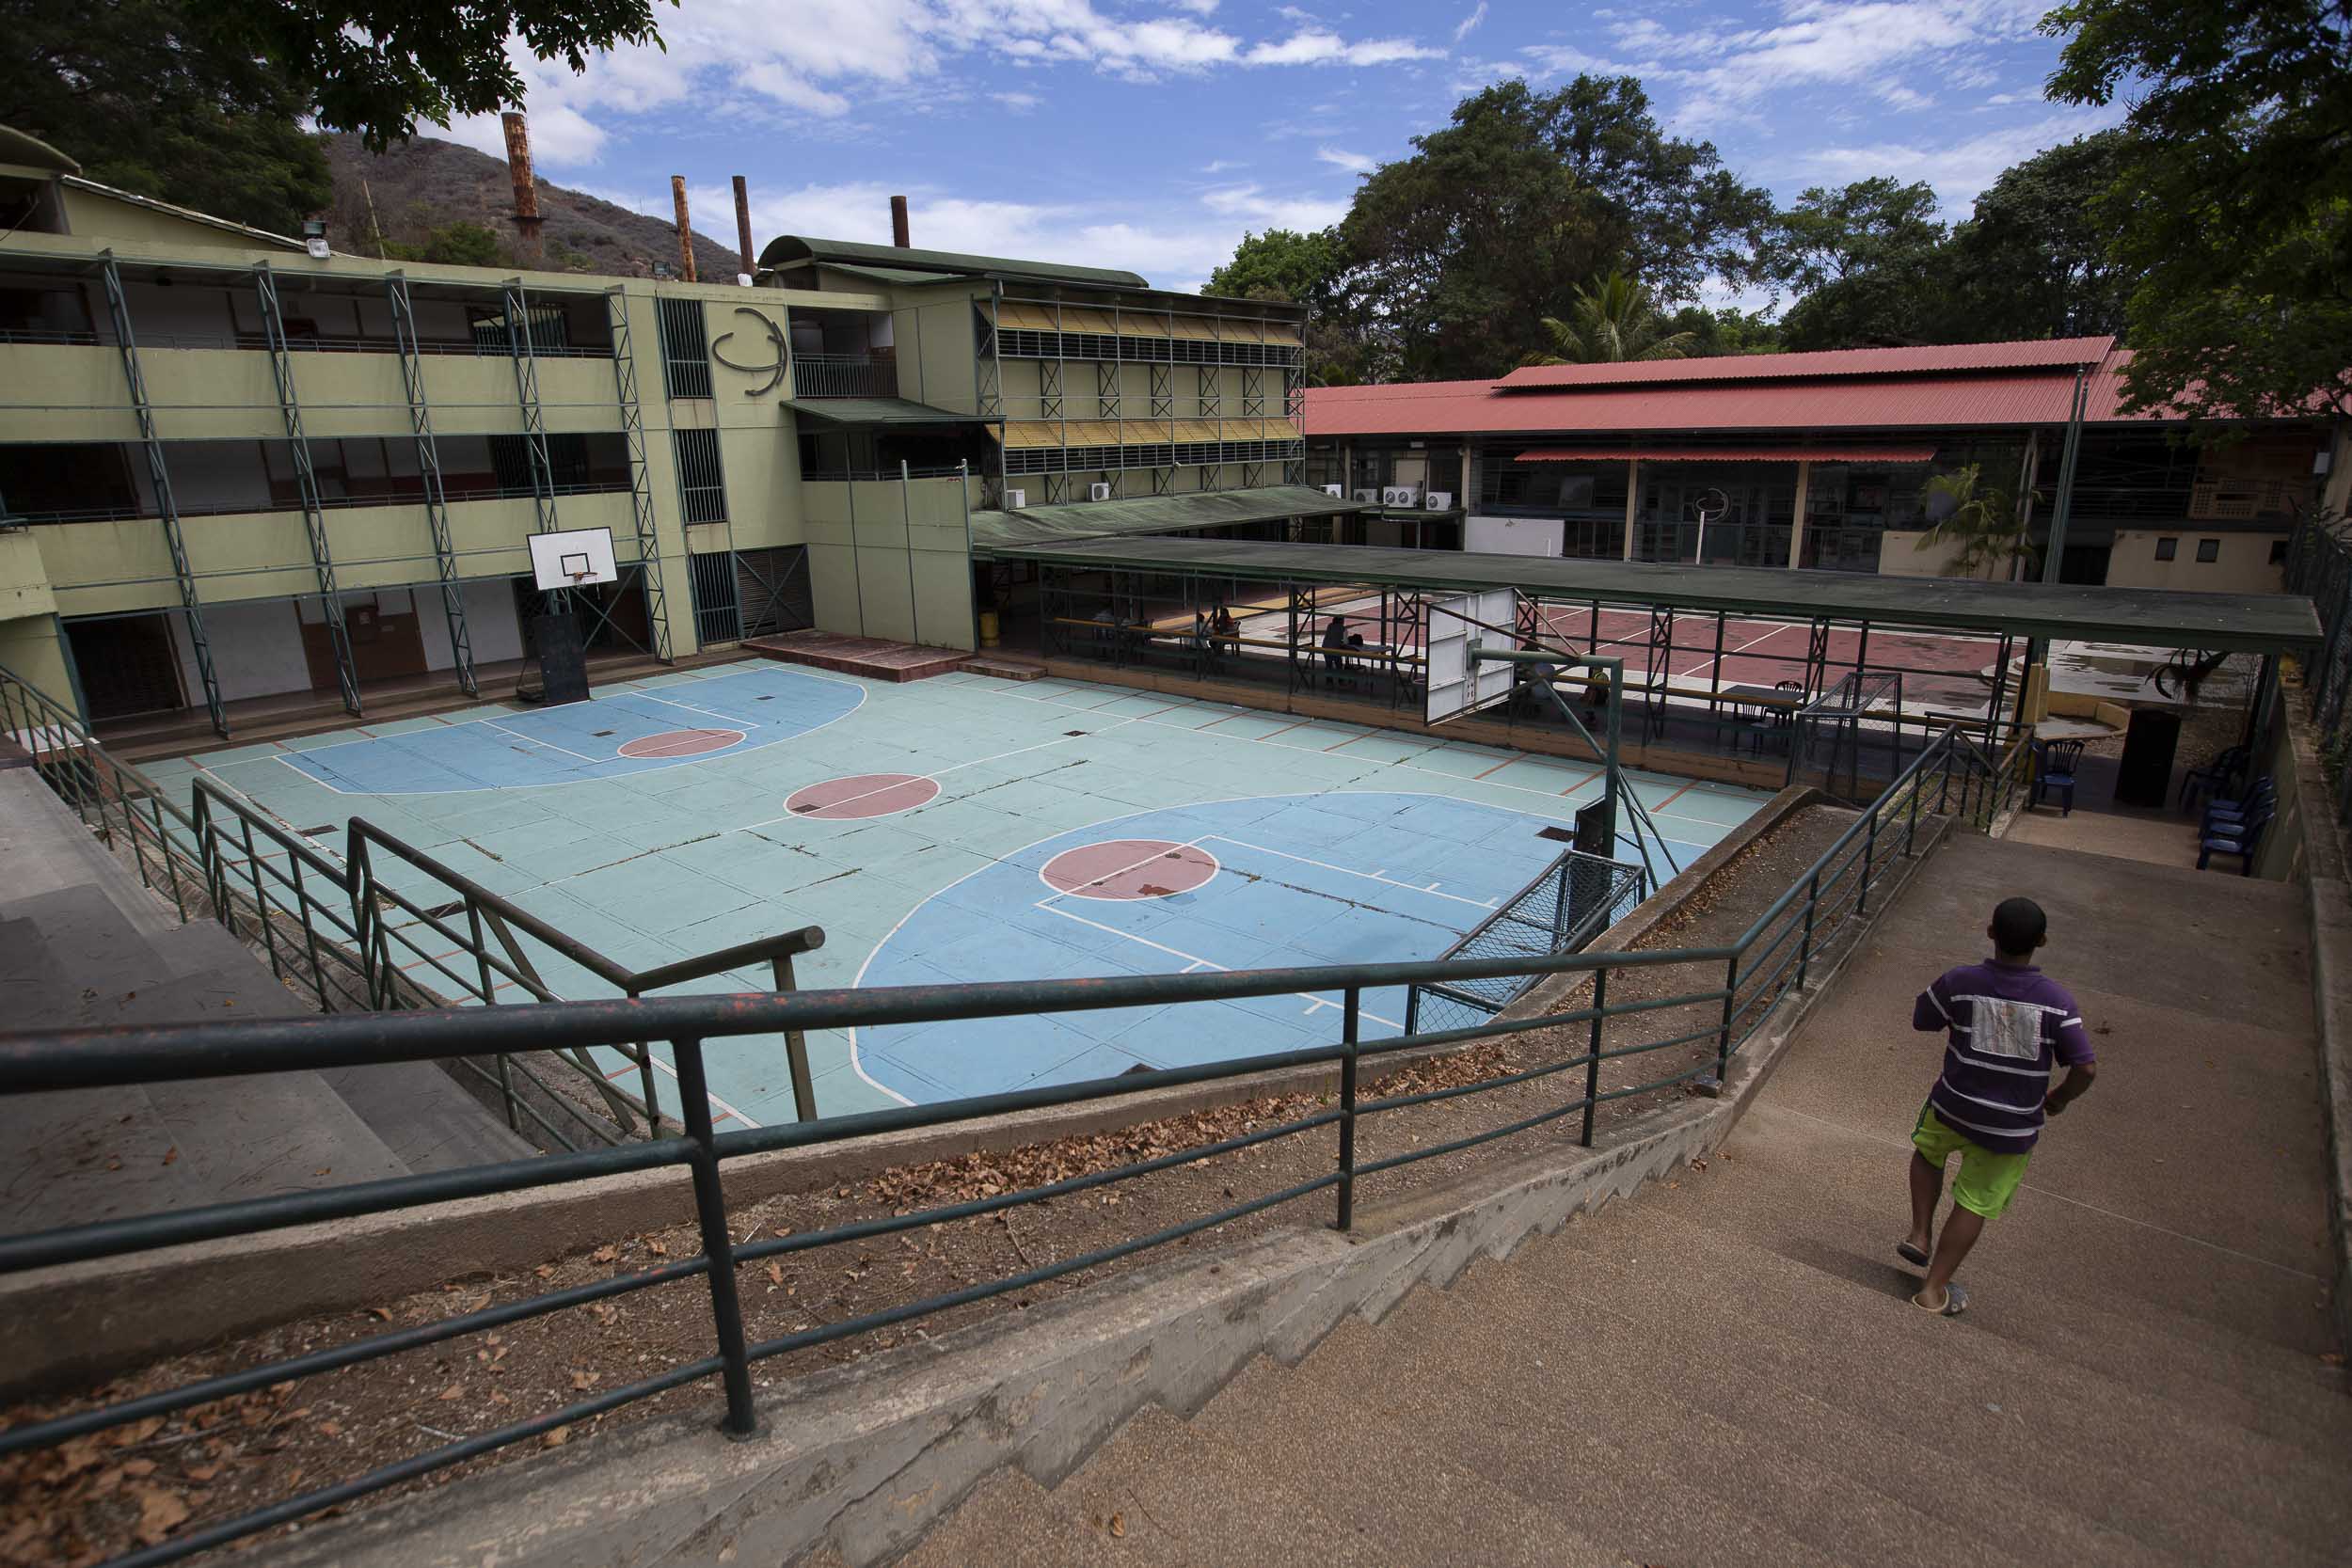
x,y
1309,270
2034,260
2231,208
1610,321
1980,524
1864,261
130,91
1458,251
1723,330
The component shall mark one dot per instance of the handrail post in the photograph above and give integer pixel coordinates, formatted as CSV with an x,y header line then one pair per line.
x,y
172,868
490,999
1592,1055
796,1050
1869,851
710,1212
261,899
1723,1040
1348,1112
1805,944
1911,827
1944,786
309,933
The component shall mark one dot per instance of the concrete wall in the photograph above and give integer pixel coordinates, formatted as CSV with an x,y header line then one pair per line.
x,y
2244,564
902,571
257,650
33,646
1899,556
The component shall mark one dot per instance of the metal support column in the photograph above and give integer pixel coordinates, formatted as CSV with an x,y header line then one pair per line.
x,y
1816,659
159,474
429,480
516,301
640,475
307,486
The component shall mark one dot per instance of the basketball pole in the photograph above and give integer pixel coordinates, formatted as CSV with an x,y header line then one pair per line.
x,y
1611,773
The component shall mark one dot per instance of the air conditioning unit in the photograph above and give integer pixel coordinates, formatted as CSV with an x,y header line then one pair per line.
x,y
1097,492
1370,498
1437,501
1016,500
1400,495
1339,492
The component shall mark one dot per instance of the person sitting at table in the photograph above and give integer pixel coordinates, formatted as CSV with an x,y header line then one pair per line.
x,y
1221,622
1334,643
1596,694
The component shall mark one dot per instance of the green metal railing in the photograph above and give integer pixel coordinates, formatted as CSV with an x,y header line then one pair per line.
x,y
2319,565
387,927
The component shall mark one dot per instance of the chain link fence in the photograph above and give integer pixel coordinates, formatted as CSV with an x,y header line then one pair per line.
x,y
1575,898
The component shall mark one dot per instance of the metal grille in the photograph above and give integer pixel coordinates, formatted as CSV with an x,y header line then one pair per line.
x,y
716,606
702,485
685,348
1576,898
771,585
1836,744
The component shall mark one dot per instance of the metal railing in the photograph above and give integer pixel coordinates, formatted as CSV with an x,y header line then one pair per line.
x,y
385,927
1740,985
1562,908
844,376
2319,565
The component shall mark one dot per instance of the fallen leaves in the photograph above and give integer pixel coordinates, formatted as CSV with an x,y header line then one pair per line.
x,y
606,1255
454,1391
160,1513
557,1437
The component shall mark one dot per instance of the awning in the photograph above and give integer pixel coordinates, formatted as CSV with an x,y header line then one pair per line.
x,y
1022,435
1044,525
870,411
1022,315
1731,455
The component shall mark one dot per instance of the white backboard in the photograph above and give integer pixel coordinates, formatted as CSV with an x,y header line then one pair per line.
x,y
572,558
1455,686
1541,537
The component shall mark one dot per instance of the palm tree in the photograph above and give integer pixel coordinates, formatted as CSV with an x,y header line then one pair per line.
x,y
1981,526
1614,319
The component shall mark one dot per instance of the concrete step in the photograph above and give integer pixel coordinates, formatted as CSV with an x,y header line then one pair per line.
x,y
74,959
426,1117
2176,1318
1009,1521
2147,1468
1387,1480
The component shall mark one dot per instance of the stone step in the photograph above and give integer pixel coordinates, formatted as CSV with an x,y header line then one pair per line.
x,y
2147,1468
1009,1521
425,1116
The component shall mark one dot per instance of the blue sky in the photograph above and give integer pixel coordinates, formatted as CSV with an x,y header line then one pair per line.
x,y
1152,133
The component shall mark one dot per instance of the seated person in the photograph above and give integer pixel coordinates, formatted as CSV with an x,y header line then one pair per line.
x,y
1334,642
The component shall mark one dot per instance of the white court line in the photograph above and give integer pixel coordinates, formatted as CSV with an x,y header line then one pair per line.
x,y
1196,962
1193,843
1708,658
664,1067
934,776
1368,876
706,712
534,740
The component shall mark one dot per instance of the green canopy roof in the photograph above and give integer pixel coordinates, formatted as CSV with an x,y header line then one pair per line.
x,y
1076,520
795,250
881,411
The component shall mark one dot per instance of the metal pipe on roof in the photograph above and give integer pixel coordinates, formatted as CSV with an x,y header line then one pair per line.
x,y
743,226
527,219
685,230
898,234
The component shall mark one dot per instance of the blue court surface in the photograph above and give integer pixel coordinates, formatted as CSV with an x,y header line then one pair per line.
x,y
959,828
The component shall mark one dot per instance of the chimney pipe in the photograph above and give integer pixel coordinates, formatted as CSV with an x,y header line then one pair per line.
x,y
744,226
898,223
685,230
527,219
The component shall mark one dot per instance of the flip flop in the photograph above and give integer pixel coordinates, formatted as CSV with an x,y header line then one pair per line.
x,y
1910,1254
1955,1302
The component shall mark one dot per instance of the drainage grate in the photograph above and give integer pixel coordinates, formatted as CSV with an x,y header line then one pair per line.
x,y
1075,734
602,733
1557,835
770,698
314,832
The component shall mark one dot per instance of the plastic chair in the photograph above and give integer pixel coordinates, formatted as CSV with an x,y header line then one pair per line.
x,y
2054,761
2241,840
2214,777
2262,800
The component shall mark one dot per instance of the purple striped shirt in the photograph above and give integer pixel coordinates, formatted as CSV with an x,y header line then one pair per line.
x,y
2004,1027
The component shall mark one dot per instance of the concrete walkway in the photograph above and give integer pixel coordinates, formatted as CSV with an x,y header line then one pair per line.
x,y
1724,1369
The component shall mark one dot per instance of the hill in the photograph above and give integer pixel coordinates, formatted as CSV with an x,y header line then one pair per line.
x,y
422,189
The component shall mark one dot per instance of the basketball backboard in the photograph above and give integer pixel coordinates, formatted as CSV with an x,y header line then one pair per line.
x,y
1457,686
572,558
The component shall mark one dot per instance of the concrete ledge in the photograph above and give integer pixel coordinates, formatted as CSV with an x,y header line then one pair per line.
x,y
866,1458
68,1326
2330,902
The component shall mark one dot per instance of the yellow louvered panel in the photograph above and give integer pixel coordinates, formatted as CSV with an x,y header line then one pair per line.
x,y
1079,318
1232,331
1022,435
1196,328
1282,333
1020,316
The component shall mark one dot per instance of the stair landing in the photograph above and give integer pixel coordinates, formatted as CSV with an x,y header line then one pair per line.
x,y
871,656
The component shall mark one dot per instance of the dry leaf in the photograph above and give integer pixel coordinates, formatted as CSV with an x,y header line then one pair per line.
x,y
331,1429
381,1314
138,1467
202,1472
557,1437
159,1512
605,1254
171,1155
454,1391
322,1170
1118,1524
545,1270
114,1165
776,1274
657,1247
584,1380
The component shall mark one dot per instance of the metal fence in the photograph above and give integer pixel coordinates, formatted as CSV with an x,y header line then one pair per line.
x,y
2319,565
1859,715
1736,989
385,926
1570,902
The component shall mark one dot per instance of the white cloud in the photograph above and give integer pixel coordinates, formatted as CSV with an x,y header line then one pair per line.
x,y
1019,102
1317,47
1219,166
1355,162
1862,43
1197,8
1958,170
1469,23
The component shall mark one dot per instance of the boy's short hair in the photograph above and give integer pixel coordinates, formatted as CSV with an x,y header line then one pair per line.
x,y
2019,925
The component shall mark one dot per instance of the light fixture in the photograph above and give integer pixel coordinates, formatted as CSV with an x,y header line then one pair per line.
x,y
314,239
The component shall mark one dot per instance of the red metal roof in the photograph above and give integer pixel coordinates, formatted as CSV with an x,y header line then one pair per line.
x,y
1732,454
1841,402
2037,353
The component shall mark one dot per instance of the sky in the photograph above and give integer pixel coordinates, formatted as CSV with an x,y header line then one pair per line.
x,y
1152,134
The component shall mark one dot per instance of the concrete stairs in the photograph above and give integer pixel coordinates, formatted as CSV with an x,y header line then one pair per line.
x,y
83,944
1725,1368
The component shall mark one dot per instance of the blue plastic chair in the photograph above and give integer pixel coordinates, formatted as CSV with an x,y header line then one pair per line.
x,y
2054,768
2215,777
2261,798
2241,839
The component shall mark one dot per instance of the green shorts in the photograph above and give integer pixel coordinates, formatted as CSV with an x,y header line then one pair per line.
x,y
1987,1181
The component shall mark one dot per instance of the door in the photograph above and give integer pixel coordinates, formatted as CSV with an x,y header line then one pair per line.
x,y
127,665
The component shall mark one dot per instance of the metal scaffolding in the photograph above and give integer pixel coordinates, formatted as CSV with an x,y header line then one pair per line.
x,y
516,301
429,480
166,508
306,486
639,478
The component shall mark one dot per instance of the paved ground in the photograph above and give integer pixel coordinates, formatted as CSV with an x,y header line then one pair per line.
x,y
963,828
1725,1370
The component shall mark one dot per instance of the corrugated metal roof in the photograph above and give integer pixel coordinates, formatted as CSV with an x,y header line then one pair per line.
x,y
2146,617
1731,455
881,411
1080,520
792,249
1929,360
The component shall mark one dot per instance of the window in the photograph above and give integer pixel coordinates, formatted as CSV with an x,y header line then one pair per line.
x,y
2278,552
2208,550
684,351
702,485
2168,548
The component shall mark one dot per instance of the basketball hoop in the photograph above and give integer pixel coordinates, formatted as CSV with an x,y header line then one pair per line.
x,y
1708,506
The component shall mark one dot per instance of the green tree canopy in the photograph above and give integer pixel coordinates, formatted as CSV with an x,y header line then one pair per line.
x,y
131,91
1282,264
1864,261
2231,205
2034,260
1612,320
1458,251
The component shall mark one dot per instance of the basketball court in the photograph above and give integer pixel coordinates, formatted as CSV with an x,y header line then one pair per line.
x,y
956,829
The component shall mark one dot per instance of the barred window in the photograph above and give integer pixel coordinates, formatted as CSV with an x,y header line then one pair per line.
x,y
702,484
685,348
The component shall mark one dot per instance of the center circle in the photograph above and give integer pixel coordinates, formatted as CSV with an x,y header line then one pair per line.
x,y
862,795
680,743
1125,868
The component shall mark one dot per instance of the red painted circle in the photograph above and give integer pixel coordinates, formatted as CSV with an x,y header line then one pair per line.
x,y
680,743
1129,869
862,795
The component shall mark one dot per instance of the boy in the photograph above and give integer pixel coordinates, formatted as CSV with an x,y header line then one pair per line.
x,y
2006,1025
